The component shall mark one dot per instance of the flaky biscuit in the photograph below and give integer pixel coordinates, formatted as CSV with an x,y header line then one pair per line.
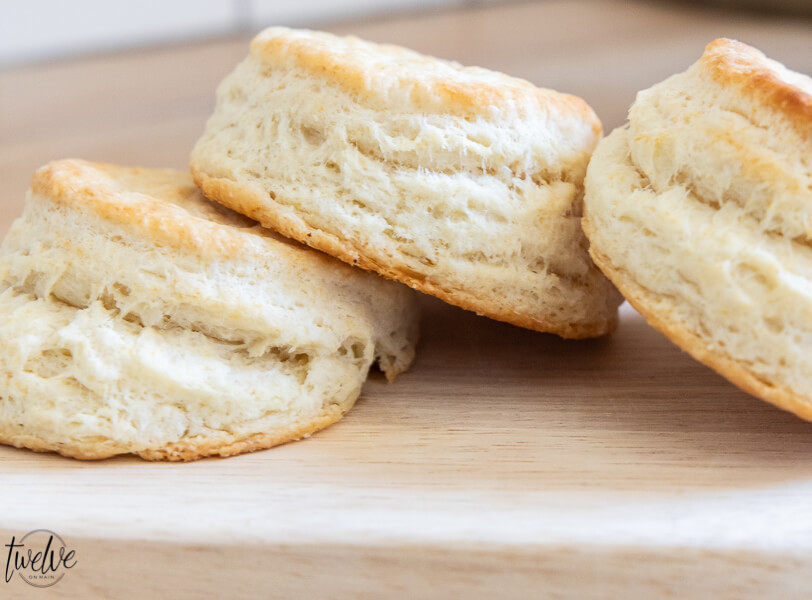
x,y
138,317
461,182
700,212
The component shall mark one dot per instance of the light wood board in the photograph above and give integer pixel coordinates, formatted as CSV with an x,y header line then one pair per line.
x,y
505,463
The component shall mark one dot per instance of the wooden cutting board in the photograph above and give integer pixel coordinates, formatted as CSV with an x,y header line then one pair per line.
x,y
506,463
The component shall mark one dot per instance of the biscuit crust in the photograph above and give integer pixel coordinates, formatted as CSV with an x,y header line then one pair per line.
x,y
760,79
460,182
700,212
356,253
185,450
657,313
378,74
141,318
161,202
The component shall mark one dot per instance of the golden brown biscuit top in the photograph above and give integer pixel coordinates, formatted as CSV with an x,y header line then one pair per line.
x,y
765,81
161,206
387,76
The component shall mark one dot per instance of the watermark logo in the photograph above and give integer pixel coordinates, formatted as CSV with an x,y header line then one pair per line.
x,y
40,558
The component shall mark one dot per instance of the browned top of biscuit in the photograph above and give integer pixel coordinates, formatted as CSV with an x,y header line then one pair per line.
x,y
385,75
765,81
162,206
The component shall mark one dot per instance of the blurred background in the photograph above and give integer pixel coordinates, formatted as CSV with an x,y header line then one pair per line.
x,y
133,82
63,28
44,29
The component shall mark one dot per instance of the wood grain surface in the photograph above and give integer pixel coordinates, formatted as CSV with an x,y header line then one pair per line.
x,y
506,463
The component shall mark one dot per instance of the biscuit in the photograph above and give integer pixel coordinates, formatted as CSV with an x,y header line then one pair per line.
x,y
461,182
700,211
138,317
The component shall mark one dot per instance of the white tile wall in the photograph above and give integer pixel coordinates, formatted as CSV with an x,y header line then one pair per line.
x,y
302,12
35,29
43,29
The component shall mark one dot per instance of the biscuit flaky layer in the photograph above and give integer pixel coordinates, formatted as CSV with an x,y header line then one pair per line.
x,y
700,211
461,182
138,317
